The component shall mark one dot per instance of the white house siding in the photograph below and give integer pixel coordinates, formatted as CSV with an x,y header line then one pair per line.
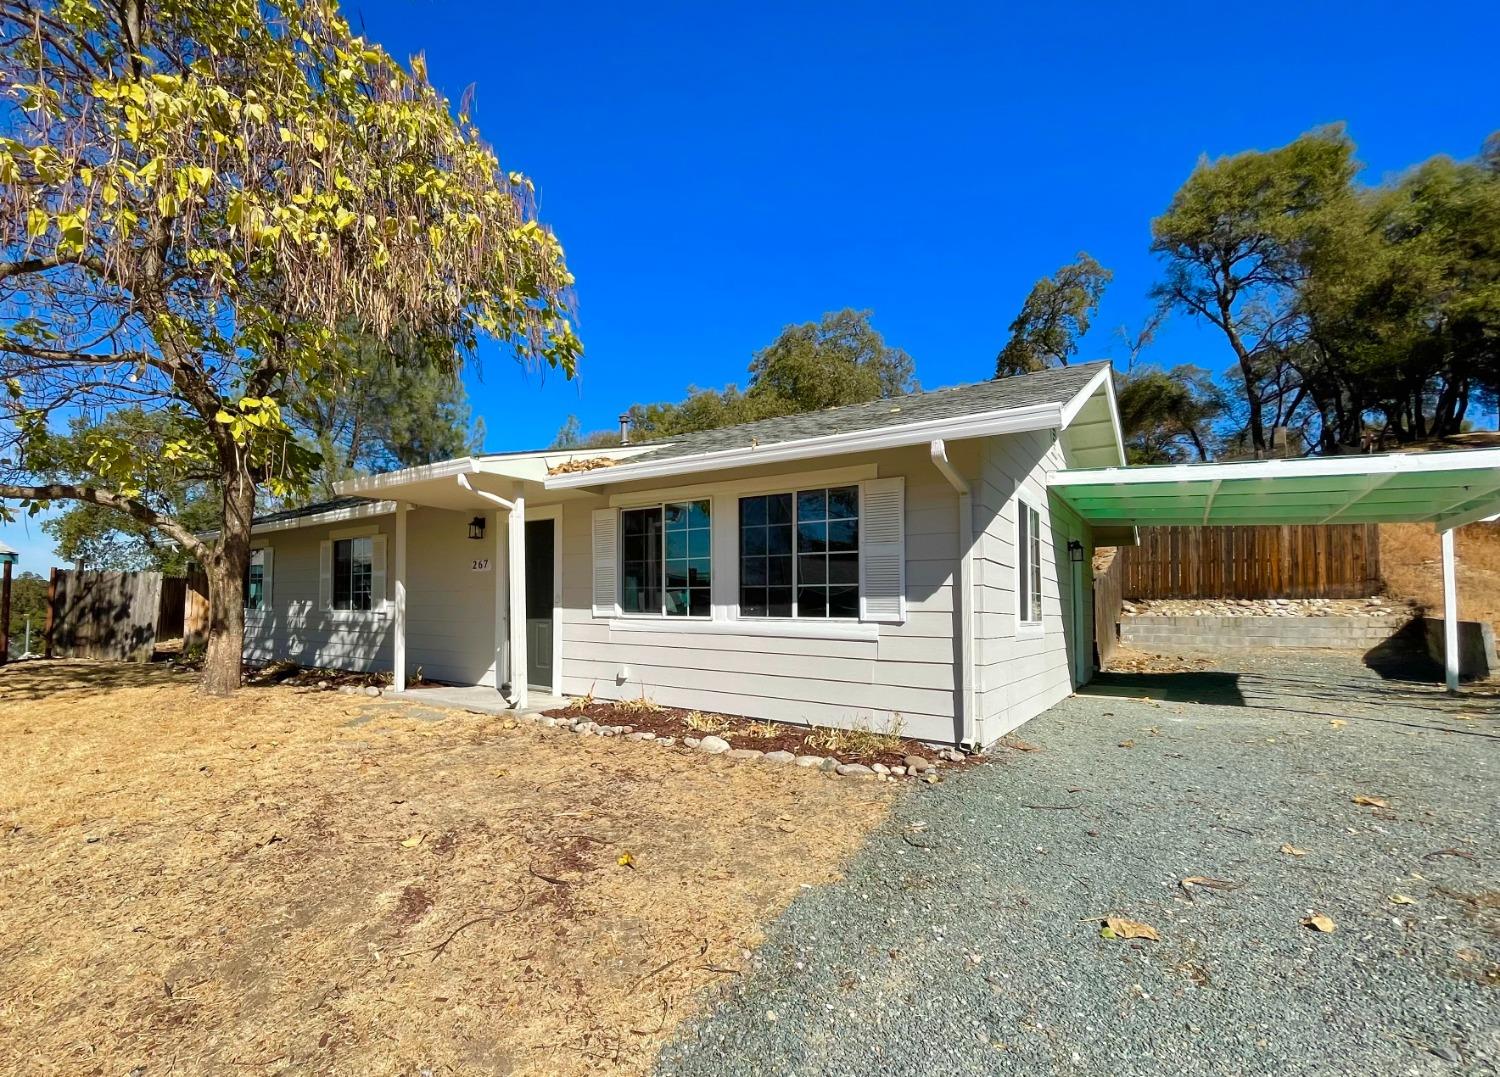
x,y
1022,674
450,609
293,627
904,676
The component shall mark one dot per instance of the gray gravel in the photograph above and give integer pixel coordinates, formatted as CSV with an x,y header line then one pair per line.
x,y
964,938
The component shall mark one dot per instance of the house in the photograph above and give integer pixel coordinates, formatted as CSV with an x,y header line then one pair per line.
x,y
899,563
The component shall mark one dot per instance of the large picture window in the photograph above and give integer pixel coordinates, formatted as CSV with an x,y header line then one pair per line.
x,y
353,572
665,566
1029,565
799,554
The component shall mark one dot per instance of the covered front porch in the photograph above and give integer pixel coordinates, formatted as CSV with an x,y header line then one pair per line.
x,y
1445,489
495,551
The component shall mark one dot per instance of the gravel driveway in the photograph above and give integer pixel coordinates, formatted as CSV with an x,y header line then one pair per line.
x,y
965,937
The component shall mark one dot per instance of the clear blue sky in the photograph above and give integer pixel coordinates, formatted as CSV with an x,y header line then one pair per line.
x,y
716,173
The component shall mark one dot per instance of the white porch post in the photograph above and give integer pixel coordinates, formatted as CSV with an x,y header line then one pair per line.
x,y
398,620
517,572
1450,613
502,603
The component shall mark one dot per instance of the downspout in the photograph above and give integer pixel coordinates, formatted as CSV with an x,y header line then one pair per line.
x,y
963,598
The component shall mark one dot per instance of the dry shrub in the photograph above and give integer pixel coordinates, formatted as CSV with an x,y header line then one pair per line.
x,y
1411,561
859,740
639,705
699,722
764,730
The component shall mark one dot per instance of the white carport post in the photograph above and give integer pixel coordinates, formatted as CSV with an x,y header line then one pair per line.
x,y
398,618
1450,613
516,558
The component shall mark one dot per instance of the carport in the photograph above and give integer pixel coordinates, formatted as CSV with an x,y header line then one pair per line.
x,y
1445,489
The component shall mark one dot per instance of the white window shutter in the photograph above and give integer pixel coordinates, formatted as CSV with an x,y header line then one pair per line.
x,y
606,562
265,578
325,575
882,550
377,573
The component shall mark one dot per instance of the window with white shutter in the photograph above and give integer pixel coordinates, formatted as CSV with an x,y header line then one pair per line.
x,y
882,553
606,568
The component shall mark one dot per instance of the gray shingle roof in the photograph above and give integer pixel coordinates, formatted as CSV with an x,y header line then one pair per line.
x,y
311,510
1058,385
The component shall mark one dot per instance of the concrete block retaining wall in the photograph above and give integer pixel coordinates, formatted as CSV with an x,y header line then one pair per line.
x,y
1157,632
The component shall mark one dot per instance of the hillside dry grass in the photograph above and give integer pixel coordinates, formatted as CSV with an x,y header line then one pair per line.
x,y
1411,562
293,881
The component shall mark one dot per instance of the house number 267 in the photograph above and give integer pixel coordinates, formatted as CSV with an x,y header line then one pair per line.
x,y
479,564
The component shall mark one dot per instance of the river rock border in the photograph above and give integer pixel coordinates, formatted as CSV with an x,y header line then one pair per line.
x,y
913,768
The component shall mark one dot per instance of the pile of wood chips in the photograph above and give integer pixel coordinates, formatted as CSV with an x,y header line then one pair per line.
x,y
304,881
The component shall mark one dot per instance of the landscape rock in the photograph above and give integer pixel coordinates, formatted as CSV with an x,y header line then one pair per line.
x,y
691,742
744,753
899,772
881,769
666,742
809,760
713,745
853,770
372,691
779,757
829,764
644,735
916,764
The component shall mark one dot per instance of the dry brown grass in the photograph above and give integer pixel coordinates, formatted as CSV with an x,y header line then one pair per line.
x,y
200,886
1411,562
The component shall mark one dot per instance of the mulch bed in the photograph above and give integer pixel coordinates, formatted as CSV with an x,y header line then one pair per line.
x,y
743,732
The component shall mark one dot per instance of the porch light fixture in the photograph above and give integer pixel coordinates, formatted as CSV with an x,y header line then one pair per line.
x,y
1075,551
476,527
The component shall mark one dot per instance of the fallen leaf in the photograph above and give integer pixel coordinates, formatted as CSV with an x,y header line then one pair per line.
x,y
1321,923
1212,884
1127,744
412,843
1292,850
626,860
1337,723
1371,802
1402,899
1120,928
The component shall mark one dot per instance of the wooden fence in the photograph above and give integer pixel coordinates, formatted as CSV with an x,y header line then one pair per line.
x,y
195,609
1109,579
104,614
1330,561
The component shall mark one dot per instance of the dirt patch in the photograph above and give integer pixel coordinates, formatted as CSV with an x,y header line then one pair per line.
x,y
1126,660
1411,560
255,885
847,745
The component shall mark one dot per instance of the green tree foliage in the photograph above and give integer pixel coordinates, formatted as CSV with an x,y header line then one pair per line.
x,y
1169,416
389,412
840,359
1234,242
197,195
28,598
1056,313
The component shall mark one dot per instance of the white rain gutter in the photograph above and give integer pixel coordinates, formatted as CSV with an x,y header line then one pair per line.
x,y
963,595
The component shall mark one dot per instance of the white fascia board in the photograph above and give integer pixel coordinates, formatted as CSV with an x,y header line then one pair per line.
x,y
983,424
1081,399
332,516
365,485
1310,467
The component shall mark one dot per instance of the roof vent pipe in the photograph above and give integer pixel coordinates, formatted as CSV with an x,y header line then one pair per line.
x,y
625,429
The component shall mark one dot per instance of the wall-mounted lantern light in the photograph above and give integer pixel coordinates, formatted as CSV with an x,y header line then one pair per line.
x,y
476,527
1075,551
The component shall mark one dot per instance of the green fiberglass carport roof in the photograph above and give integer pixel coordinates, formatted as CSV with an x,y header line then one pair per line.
x,y
1446,489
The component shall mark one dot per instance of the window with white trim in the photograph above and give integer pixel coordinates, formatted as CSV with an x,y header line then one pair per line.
x,y
665,562
799,554
255,582
353,573
1028,565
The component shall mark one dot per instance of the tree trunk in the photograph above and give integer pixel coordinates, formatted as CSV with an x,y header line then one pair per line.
x,y
226,570
1247,374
